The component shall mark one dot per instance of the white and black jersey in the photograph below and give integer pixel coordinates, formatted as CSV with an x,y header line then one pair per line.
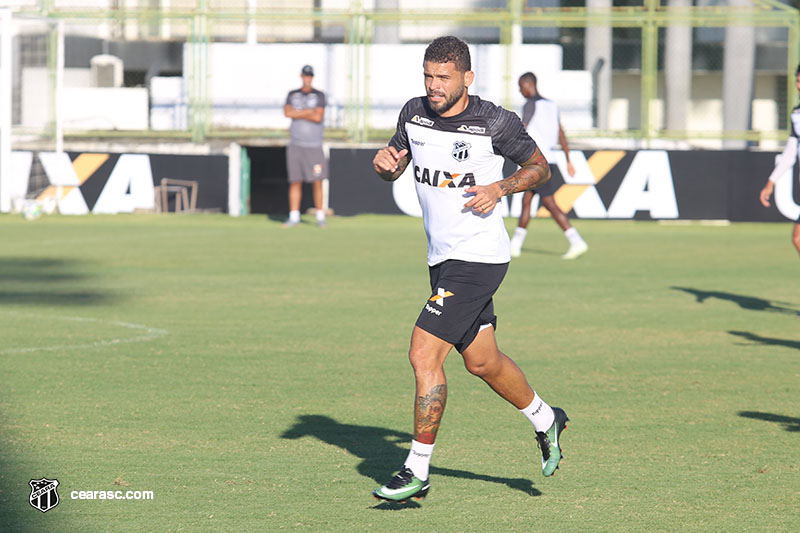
x,y
791,153
450,154
795,118
541,119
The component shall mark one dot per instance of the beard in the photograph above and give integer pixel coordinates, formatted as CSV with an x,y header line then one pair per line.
x,y
449,101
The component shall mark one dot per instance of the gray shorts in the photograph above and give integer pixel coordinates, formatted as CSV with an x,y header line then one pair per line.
x,y
306,163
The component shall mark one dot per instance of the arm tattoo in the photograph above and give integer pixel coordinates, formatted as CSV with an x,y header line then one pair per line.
x,y
533,173
401,167
428,415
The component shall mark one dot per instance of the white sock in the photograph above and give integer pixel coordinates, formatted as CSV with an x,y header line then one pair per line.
x,y
573,236
519,237
539,413
419,459
294,216
320,215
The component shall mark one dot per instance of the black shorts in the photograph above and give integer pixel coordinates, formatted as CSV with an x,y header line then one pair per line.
x,y
555,182
461,300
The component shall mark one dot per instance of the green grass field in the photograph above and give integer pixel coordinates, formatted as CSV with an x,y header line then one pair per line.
x,y
256,379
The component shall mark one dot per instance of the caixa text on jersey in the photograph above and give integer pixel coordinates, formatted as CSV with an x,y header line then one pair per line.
x,y
442,178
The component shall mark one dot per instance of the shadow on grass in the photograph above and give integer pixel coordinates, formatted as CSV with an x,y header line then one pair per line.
x,y
45,281
751,303
767,341
382,450
397,506
12,501
789,423
282,219
16,512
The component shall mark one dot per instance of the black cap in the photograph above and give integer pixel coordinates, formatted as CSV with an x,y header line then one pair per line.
x,y
308,70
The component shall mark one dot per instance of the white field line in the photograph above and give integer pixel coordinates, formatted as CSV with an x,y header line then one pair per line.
x,y
146,333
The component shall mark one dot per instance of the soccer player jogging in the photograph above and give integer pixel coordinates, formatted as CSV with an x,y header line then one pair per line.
x,y
541,119
790,154
455,143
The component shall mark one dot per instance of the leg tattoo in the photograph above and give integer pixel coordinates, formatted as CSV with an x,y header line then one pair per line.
x,y
428,414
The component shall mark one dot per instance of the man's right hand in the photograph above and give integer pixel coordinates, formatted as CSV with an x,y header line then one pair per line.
x,y
387,160
766,192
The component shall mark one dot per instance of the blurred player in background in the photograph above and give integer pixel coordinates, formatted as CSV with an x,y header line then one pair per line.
x,y
305,159
787,161
541,120
456,145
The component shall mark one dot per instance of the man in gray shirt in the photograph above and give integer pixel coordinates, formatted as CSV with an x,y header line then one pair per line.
x,y
305,160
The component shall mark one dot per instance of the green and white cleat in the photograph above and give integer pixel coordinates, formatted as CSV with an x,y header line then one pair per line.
x,y
549,442
403,486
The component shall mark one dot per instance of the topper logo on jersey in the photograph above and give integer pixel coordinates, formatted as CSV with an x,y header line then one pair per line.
x,y
472,129
442,178
422,121
461,151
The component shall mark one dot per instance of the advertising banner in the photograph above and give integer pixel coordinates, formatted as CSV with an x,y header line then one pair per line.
x,y
607,184
107,183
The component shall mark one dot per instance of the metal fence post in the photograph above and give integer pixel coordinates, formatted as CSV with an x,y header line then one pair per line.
x,y
793,59
649,69
198,85
5,109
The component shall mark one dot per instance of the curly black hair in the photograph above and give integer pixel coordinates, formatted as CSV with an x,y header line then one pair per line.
x,y
449,49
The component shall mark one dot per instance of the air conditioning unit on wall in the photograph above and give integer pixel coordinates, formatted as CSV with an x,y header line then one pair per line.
x,y
106,71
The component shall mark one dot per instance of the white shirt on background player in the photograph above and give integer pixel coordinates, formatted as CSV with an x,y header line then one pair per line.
x,y
543,126
790,151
